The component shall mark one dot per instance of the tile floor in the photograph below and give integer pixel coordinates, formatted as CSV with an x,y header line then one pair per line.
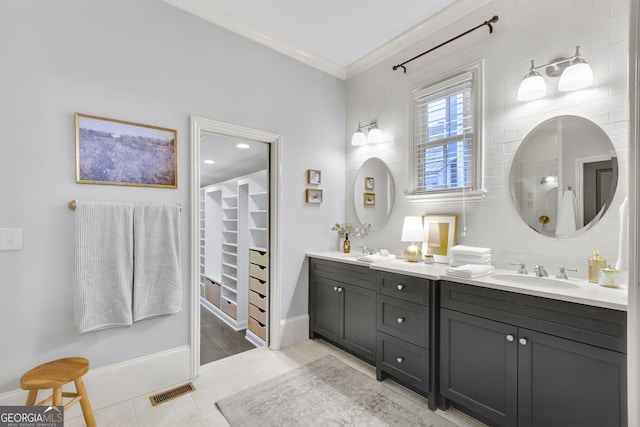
x,y
227,376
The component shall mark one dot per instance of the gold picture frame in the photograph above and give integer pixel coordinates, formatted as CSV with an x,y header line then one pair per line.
x,y
314,176
313,196
118,152
369,183
369,199
440,236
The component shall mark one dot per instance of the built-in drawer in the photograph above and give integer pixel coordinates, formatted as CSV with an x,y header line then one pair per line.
x,y
229,307
258,257
342,272
403,319
258,314
212,291
406,288
257,271
258,286
258,328
407,362
598,326
258,300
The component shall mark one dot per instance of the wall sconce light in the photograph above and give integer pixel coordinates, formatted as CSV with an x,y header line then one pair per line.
x,y
574,73
413,232
374,137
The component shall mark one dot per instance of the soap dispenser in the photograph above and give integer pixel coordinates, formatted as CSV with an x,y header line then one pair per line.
x,y
595,264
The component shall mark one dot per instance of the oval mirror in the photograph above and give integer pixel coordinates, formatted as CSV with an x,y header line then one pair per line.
x,y
564,176
373,193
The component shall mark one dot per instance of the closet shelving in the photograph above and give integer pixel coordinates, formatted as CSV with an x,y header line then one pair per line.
x,y
234,218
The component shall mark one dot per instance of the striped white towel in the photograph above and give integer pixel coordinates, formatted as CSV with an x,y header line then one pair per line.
x,y
157,282
103,278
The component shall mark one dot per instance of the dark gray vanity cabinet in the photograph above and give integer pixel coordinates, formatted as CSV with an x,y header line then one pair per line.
x,y
342,306
404,334
518,360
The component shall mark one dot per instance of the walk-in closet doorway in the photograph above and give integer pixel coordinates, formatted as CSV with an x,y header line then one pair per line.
x,y
234,235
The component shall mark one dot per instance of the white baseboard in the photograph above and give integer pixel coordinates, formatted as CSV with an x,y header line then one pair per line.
x,y
294,330
123,381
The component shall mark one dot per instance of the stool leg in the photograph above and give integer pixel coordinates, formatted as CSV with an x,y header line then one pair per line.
x,y
31,398
57,396
87,412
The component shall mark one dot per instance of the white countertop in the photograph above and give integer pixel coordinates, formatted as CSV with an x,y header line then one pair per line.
x,y
582,292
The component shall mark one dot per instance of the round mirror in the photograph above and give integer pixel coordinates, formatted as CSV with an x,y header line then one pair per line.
x,y
373,193
564,176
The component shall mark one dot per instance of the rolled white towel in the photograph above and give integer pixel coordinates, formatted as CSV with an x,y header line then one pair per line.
x,y
471,271
470,251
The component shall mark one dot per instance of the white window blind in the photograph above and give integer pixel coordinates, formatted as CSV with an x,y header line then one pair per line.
x,y
445,150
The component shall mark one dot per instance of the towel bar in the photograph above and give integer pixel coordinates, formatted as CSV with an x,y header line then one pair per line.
x,y
72,205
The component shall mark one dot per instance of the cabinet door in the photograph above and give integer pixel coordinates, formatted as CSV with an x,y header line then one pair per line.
x,y
566,383
359,326
478,366
324,307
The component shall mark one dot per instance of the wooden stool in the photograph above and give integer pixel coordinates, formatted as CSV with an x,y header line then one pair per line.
x,y
54,375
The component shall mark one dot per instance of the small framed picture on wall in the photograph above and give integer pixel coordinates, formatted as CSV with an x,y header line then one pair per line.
x,y
313,196
313,176
369,182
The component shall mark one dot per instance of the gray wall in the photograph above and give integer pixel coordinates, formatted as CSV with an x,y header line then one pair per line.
x,y
147,62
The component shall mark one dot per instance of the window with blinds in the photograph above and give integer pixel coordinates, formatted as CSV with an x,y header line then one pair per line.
x,y
446,152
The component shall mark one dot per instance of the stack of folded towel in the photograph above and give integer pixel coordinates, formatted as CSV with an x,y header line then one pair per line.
x,y
461,255
471,271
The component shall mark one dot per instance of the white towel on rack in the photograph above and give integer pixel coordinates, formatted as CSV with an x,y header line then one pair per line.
x,y
103,276
157,282
623,242
567,214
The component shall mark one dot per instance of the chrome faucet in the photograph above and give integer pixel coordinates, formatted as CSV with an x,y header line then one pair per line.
x,y
540,271
522,267
561,273
367,250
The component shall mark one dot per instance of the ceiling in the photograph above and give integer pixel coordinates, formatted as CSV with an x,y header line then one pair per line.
x,y
332,35
230,161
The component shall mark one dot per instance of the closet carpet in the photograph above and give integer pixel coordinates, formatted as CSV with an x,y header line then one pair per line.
x,y
218,340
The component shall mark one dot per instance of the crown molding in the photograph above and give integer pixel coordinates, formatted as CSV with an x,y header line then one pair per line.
x,y
426,28
238,25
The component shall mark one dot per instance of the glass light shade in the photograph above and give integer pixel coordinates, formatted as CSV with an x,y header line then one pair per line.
x,y
358,138
576,76
412,230
532,87
375,136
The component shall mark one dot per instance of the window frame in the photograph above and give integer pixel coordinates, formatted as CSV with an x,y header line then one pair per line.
x,y
476,191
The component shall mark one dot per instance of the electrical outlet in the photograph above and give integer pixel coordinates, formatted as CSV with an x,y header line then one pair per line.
x,y
10,239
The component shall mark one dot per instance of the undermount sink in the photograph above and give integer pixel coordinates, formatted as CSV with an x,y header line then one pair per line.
x,y
545,282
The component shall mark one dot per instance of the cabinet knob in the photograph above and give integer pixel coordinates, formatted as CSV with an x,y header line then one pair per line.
x,y
400,319
400,287
509,337
400,359
523,341
335,288
339,289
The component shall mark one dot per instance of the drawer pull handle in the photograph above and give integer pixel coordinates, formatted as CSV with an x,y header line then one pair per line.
x,y
509,337
523,341
400,287
400,319
400,359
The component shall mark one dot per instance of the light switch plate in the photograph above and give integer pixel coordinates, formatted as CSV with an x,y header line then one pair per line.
x,y
10,239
